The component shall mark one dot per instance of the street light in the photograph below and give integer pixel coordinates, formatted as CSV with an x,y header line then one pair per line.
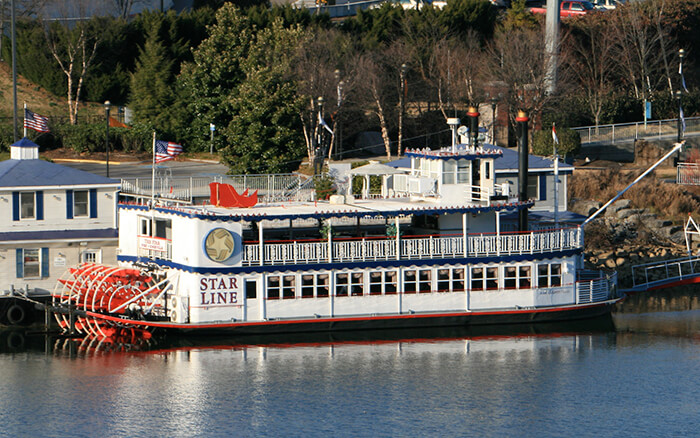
x,y
402,96
318,151
680,116
108,104
336,120
494,100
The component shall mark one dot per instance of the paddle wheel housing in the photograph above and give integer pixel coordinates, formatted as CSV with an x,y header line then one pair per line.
x,y
85,295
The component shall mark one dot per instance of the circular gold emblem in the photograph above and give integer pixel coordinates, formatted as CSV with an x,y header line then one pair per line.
x,y
219,244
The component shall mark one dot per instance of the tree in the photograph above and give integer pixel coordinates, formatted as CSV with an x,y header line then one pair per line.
x,y
589,56
74,48
152,84
23,8
517,61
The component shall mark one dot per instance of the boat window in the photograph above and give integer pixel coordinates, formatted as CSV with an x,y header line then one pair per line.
x,y
375,283
322,285
357,284
251,289
409,282
273,288
487,170
443,284
307,286
448,173
457,279
390,282
288,287
164,229
462,171
145,226
341,285
492,278
425,280
510,277
478,279
549,275
524,277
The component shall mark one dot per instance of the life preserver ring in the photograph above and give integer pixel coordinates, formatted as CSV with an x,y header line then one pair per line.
x,y
15,341
15,314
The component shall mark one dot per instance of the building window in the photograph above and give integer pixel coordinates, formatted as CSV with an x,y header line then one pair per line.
x,y
27,203
533,187
91,256
32,263
80,203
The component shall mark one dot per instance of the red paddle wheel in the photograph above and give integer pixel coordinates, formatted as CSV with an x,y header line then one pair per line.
x,y
92,291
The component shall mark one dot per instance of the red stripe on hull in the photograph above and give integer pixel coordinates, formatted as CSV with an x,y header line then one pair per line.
x,y
386,321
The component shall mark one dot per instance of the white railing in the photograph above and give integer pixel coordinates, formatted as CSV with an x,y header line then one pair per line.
x,y
688,174
415,247
270,188
652,129
595,286
654,274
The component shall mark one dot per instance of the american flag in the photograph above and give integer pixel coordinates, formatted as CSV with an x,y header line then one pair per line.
x,y
166,150
35,121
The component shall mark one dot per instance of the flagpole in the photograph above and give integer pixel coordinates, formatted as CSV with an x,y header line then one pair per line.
x,y
153,172
24,119
556,180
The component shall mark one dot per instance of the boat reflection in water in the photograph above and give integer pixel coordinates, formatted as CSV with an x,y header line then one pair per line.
x,y
522,336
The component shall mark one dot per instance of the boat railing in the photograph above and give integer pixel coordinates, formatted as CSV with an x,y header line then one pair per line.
x,y
595,286
412,247
657,273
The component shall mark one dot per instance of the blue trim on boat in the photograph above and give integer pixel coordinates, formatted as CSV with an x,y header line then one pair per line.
x,y
349,265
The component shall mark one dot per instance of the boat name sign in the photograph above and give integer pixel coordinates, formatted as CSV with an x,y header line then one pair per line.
x,y
218,291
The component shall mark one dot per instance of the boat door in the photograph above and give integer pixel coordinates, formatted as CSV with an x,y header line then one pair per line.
x,y
476,180
252,305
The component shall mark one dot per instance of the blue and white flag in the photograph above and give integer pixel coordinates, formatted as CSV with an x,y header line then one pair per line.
x,y
166,150
323,123
682,119
680,72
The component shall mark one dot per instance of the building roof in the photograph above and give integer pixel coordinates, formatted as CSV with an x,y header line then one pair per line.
x,y
40,173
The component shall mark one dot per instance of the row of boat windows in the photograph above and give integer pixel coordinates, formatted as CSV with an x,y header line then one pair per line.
x,y
362,283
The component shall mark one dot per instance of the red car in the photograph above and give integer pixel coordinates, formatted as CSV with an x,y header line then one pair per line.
x,y
569,8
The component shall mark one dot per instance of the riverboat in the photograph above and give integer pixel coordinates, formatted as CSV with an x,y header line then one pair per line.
x,y
429,249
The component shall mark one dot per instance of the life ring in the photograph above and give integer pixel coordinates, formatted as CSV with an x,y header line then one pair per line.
x,y
15,314
15,341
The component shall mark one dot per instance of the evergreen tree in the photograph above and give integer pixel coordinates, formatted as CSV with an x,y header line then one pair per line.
x,y
152,84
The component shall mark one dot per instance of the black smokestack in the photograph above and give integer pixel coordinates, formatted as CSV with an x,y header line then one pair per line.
x,y
473,115
521,123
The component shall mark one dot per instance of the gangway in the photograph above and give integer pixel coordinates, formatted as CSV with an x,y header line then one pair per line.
x,y
669,273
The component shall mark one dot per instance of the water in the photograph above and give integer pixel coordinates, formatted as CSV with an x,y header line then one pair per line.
x,y
635,374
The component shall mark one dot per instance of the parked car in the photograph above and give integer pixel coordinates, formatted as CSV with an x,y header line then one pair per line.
x,y
608,4
418,4
568,8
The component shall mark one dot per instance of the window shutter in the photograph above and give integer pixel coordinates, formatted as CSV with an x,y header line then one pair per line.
x,y
44,262
20,263
69,204
15,206
543,186
39,205
93,203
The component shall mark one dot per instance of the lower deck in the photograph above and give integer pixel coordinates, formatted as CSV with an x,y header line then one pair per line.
x,y
386,291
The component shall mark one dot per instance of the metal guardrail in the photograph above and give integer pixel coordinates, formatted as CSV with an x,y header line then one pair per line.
x,y
656,274
336,11
688,174
622,132
270,188
594,286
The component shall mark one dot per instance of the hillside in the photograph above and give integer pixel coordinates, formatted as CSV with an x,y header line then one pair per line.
x,y
37,99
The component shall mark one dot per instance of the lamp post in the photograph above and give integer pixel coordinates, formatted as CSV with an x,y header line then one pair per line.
x,y
318,151
108,104
680,116
336,121
402,97
493,119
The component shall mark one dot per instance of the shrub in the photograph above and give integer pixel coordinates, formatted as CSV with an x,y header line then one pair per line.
x,y
569,142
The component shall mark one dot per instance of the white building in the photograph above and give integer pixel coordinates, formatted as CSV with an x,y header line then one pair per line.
x,y
52,218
